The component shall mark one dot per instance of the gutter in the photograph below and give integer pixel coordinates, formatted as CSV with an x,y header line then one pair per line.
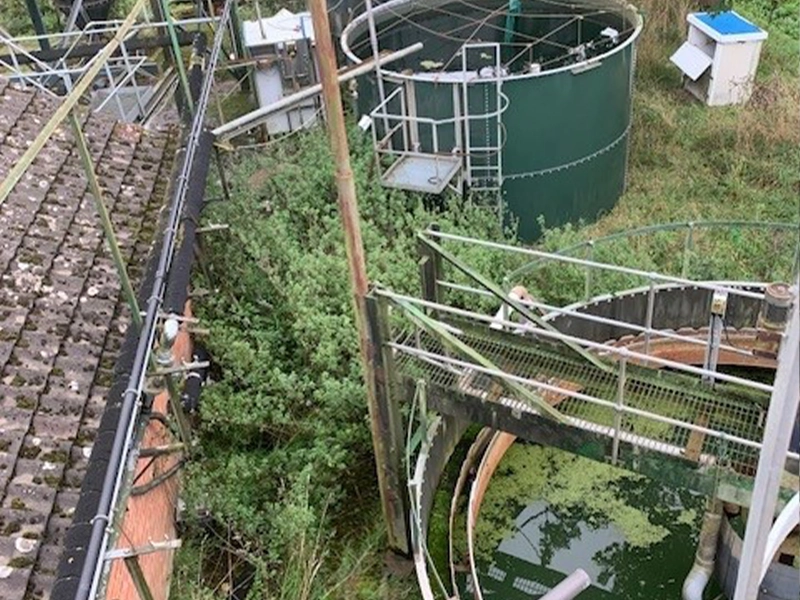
x,y
83,562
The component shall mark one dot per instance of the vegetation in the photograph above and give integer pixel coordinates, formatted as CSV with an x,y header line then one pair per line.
x,y
285,466
286,448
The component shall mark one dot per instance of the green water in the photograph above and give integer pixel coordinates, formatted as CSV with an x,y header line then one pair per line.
x,y
547,513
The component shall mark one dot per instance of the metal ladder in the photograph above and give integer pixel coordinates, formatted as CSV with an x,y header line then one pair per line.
x,y
481,84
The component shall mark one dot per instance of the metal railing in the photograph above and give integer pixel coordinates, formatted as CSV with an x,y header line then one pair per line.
x,y
118,473
398,134
444,345
669,433
689,231
125,71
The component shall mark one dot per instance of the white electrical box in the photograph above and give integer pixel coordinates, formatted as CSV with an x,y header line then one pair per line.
x,y
282,47
720,57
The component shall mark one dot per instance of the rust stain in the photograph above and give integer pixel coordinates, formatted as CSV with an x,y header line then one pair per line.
x,y
150,517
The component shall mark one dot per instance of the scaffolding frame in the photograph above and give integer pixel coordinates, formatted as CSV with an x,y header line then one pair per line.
x,y
77,71
126,70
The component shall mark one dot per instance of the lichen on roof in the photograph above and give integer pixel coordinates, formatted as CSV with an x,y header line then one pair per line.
x,y
61,316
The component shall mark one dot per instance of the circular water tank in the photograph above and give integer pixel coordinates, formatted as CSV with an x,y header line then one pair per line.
x,y
558,73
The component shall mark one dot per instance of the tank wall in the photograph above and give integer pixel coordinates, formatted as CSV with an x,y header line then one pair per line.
x,y
559,119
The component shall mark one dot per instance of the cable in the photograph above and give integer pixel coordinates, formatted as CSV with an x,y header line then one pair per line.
x,y
406,14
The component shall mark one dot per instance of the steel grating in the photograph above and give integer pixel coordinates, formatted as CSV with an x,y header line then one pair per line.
x,y
726,410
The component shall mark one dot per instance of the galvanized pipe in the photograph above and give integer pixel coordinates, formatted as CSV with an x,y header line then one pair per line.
x,y
253,119
131,405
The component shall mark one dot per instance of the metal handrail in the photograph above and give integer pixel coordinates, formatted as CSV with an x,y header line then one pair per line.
x,y
131,402
572,311
618,405
690,226
584,343
542,255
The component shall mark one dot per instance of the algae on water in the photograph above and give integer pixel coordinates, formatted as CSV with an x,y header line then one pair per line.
x,y
572,486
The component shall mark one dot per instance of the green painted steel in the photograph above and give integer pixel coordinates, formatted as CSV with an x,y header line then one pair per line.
x,y
565,131
565,154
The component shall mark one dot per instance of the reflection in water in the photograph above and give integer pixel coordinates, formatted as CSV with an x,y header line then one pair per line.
x,y
547,513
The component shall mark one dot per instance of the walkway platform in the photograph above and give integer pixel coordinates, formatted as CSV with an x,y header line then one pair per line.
x,y
427,173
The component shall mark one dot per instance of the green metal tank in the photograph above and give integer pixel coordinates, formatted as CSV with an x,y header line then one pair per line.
x,y
532,97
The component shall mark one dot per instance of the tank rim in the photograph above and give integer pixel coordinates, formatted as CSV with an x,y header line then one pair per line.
x,y
625,9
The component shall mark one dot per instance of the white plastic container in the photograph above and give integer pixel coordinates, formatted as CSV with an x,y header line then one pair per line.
x,y
720,57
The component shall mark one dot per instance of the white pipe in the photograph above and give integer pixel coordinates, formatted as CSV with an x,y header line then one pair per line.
x,y
698,577
569,587
783,526
256,117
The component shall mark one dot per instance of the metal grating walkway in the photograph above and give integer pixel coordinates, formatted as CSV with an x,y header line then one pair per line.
x,y
727,411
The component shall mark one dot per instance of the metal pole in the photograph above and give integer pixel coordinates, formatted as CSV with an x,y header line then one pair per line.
x,y
716,325
68,103
373,39
105,219
38,24
391,495
771,462
131,402
176,52
256,117
138,578
621,381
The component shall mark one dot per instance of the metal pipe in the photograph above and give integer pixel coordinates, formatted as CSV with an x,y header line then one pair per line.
x,y
98,542
258,116
105,220
631,233
177,56
700,573
582,262
373,39
38,24
569,587
388,465
781,419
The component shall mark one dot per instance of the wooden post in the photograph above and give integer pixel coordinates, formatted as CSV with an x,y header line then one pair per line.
x,y
430,269
391,441
387,462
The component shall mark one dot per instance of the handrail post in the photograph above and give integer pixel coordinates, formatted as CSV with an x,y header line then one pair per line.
x,y
651,297
688,246
621,380
430,270
587,284
389,445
